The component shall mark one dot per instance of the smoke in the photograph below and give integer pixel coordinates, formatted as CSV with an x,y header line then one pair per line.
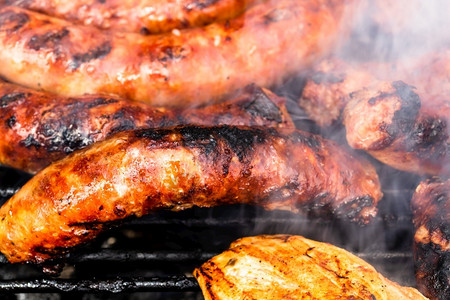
x,y
387,30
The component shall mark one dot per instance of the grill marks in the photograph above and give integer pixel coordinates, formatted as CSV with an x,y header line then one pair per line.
x,y
239,141
48,40
95,53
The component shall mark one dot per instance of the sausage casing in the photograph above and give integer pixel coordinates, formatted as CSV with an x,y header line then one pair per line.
x,y
136,172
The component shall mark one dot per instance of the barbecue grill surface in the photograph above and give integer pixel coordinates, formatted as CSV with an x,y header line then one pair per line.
x,y
153,257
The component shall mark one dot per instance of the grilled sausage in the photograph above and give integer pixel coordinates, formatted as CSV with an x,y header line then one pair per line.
x,y
38,128
431,216
401,125
136,172
293,267
146,17
190,67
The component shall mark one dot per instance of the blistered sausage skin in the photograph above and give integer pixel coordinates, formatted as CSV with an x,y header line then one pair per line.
x,y
143,16
136,172
431,217
38,128
189,67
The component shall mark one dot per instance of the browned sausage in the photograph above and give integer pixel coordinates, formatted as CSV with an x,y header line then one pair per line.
x,y
136,172
189,67
38,128
144,16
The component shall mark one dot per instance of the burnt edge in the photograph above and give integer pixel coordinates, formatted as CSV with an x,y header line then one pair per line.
x,y
11,21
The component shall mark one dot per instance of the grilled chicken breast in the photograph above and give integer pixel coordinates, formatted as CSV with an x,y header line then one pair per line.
x,y
431,216
404,125
38,128
184,68
293,267
136,172
144,16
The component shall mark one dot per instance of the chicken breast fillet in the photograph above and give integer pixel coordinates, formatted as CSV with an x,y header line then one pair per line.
x,y
293,267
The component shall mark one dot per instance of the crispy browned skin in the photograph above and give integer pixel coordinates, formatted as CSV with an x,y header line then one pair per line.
x,y
136,172
293,267
431,217
38,128
190,67
144,16
390,123
402,125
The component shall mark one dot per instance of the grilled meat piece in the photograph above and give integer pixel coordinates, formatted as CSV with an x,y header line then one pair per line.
x,y
146,17
136,172
38,128
431,216
293,267
189,67
401,125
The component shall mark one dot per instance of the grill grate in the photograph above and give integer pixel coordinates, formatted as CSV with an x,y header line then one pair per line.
x,y
154,256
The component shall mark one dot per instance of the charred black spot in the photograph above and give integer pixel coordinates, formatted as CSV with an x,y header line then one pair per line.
x,y
119,211
30,141
429,138
170,53
11,121
12,97
404,118
125,124
261,105
310,140
199,5
153,134
101,101
96,53
11,21
276,15
432,268
47,40
100,208
352,208
322,77
144,31
204,137
65,138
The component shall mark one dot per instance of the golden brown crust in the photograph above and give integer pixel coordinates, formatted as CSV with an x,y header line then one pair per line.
x,y
190,67
431,216
388,122
136,172
293,267
38,128
146,17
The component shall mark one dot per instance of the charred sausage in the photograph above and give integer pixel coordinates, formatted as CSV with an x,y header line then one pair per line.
x,y
38,128
136,172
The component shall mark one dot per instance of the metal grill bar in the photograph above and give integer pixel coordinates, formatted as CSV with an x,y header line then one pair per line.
x,y
173,283
8,192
